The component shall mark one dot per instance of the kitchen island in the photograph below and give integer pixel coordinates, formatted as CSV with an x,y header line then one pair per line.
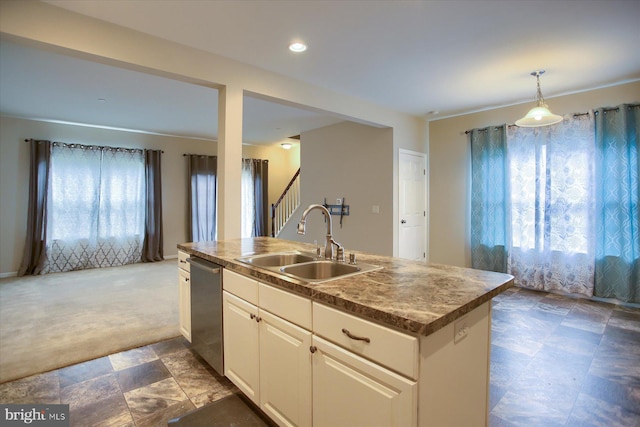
x,y
426,327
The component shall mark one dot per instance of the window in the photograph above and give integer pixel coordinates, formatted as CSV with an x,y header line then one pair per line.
x,y
551,188
96,209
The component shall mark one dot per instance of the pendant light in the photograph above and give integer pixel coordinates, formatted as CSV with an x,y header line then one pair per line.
x,y
540,114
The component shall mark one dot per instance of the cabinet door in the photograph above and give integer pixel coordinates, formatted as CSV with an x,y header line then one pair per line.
x,y
285,371
185,303
349,390
241,350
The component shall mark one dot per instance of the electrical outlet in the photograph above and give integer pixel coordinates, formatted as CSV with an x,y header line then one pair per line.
x,y
338,201
375,209
460,330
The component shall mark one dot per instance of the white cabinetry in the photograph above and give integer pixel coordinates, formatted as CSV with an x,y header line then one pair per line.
x,y
311,364
241,346
184,287
266,354
351,390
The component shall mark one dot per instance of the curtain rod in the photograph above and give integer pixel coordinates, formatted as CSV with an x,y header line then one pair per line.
x,y
83,145
629,106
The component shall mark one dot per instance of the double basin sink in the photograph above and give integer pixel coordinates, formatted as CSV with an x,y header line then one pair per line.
x,y
306,267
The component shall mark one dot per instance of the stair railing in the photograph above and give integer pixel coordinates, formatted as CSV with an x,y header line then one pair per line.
x,y
286,205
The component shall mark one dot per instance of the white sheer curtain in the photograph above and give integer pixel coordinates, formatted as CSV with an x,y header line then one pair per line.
x,y
96,210
552,183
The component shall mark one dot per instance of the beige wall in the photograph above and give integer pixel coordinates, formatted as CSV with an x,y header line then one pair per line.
x,y
449,164
348,160
282,165
14,175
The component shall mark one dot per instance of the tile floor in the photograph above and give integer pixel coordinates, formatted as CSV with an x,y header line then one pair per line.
x,y
556,361
559,361
146,386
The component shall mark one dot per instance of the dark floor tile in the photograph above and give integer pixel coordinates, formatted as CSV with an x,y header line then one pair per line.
x,y
505,295
36,389
136,356
495,394
519,340
612,392
527,410
196,377
502,319
576,341
622,334
589,316
89,392
495,421
552,381
560,366
506,365
112,411
625,319
591,412
632,309
520,301
541,313
170,346
556,304
146,401
142,375
84,371
617,360
230,411
162,417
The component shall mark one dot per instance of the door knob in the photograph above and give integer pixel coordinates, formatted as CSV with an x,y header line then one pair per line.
x,y
403,222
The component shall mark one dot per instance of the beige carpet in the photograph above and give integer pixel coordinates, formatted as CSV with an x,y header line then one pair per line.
x,y
55,320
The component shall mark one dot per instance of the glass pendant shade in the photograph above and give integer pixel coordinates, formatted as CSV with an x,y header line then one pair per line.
x,y
540,114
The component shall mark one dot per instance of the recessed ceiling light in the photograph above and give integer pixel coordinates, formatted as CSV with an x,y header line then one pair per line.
x,y
102,100
286,145
297,47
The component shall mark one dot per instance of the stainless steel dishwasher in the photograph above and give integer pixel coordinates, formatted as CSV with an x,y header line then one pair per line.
x,y
206,311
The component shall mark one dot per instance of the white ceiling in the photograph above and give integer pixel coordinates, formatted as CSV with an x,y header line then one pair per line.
x,y
452,56
43,85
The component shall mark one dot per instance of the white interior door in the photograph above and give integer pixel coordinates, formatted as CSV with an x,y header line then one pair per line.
x,y
412,211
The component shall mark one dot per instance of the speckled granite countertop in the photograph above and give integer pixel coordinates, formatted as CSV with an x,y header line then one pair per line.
x,y
408,295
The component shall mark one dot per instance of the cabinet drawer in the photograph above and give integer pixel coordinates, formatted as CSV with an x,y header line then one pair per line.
x,y
395,350
241,286
291,307
184,276
182,261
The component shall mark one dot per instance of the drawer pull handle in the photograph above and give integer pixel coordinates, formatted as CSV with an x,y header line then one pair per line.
x,y
186,279
183,261
258,318
313,349
354,337
252,316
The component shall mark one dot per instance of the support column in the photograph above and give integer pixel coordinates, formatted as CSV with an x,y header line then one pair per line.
x,y
229,162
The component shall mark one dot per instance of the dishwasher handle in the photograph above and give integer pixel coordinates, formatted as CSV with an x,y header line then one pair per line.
x,y
204,265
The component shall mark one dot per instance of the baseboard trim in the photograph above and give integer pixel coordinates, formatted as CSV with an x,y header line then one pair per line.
x,y
9,274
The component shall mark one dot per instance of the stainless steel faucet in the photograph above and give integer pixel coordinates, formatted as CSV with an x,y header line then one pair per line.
x,y
328,251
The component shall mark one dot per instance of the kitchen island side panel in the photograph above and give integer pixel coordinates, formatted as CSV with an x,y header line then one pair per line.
x,y
454,372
